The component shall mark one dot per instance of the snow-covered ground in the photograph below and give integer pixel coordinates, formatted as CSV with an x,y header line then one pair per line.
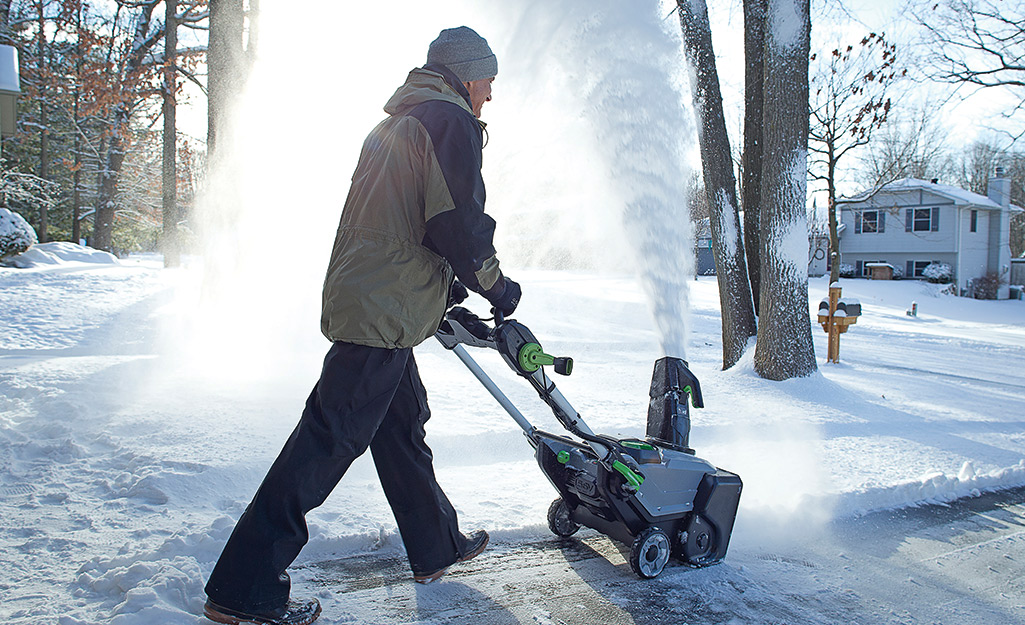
x,y
135,423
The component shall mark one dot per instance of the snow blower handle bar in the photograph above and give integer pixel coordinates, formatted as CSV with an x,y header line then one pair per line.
x,y
523,353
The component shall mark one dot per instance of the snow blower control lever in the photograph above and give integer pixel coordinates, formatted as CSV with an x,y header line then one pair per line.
x,y
523,353
653,494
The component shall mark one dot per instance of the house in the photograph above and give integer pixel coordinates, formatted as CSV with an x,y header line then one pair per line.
x,y
704,262
818,250
818,254
913,223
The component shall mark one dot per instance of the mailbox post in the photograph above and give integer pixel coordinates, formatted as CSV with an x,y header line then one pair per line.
x,y
836,315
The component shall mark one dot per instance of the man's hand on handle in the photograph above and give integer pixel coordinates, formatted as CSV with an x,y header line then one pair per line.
x,y
505,302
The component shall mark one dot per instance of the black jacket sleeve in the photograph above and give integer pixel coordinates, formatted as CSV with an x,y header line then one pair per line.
x,y
463,235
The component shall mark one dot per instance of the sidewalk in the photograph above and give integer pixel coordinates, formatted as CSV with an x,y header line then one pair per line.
x,y
960,564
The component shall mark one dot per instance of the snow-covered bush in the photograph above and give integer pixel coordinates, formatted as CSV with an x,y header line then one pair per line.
x,y
898,273
985,287
846,271
16,235
938,273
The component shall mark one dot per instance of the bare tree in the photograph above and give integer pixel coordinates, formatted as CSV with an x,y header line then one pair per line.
x,y
130,70
913,144
975,166
169,180
784,349
44,131
735,300
697,199
978,43
133,75
849,100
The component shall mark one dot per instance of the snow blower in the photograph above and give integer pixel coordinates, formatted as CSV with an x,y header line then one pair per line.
x,y
654,495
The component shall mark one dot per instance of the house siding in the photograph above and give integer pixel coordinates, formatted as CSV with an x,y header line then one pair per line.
x,y
974,245
901,246
895,239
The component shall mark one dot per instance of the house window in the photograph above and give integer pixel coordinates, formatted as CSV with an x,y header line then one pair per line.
x,y
922,219
869,222
918,269
975,221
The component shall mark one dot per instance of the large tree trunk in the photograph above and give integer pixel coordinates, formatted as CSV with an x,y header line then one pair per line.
x,y
226,62
735,301
751,161
44,132
103,220
785,348
76,192
171,248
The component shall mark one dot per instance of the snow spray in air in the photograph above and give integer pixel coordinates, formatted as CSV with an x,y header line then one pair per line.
x,y
629,75
643,123
606,91
600,96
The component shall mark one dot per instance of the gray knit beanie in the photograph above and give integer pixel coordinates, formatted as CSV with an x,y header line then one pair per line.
x,y
464,52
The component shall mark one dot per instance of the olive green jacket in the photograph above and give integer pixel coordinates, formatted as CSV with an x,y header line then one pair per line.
x,y
414,218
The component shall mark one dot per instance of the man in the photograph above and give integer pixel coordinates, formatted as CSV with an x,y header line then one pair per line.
x,y
413,221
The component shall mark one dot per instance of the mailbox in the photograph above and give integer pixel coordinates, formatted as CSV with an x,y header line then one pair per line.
x,y
847,312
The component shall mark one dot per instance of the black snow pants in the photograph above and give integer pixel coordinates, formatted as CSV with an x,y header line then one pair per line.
x,y
366,396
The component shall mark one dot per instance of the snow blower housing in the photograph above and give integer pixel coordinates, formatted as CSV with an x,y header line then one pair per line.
x,y
654,494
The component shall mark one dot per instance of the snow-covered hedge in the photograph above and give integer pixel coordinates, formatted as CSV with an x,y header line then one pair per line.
x,y
846,271
938,273
16,235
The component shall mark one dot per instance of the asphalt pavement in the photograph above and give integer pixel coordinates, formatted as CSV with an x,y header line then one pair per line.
x,y
957,564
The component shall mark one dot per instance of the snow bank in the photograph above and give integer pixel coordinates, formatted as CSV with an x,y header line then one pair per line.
x,y
933,488
59,253
163,585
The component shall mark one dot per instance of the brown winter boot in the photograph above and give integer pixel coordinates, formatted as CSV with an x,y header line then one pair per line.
x,y
294,613
474,545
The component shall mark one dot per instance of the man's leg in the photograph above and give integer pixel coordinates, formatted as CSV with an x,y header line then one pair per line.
x,y
341,417
426,519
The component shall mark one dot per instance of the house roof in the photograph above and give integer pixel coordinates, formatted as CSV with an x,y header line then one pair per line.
x,y
960,196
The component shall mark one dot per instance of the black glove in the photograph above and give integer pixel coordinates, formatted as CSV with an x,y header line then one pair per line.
x,y
508,299
456,293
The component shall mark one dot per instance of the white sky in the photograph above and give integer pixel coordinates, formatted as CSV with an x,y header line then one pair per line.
x,y
350,58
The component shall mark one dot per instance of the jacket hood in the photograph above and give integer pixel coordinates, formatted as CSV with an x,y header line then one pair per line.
x,y
424,84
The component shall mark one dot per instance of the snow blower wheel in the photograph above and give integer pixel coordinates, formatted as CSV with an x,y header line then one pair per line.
x,y
559,520
650,553
695,543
